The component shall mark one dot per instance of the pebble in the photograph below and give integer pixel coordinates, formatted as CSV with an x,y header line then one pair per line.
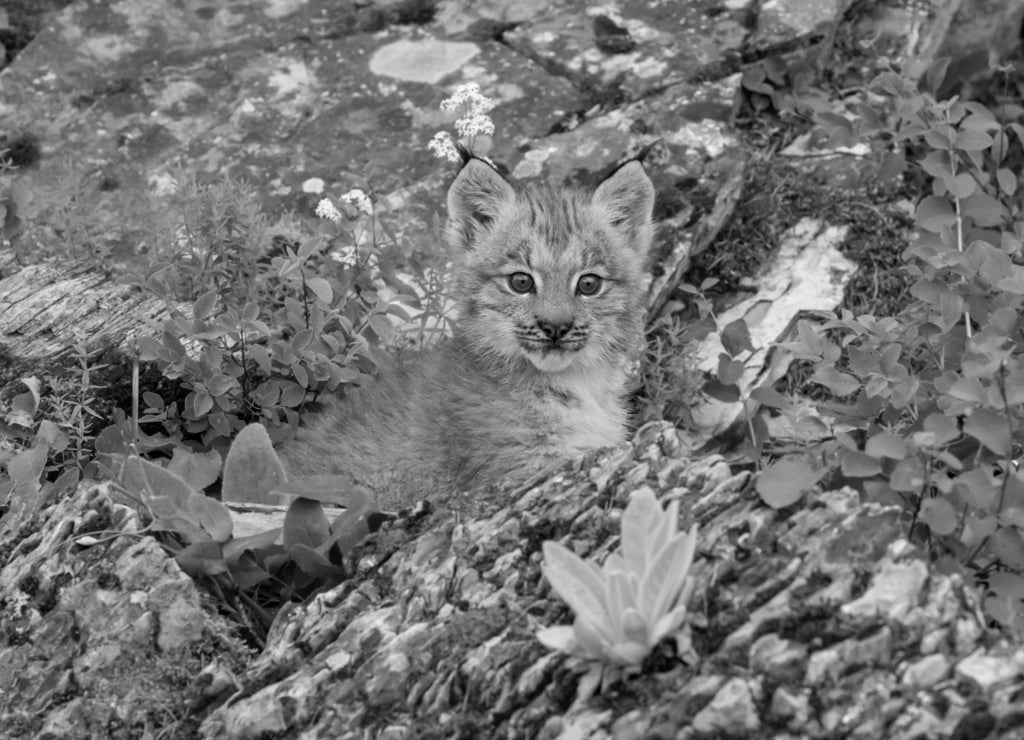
x,y
836,660
934,640
781,659
894,591
926,672
788,704
987,672
731,711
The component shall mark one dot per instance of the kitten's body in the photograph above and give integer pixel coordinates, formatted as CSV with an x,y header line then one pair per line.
x,y
528,377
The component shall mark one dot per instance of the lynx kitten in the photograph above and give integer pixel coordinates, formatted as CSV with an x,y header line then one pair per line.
x,y
550,288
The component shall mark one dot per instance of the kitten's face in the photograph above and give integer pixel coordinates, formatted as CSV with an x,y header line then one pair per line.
x,y
553,278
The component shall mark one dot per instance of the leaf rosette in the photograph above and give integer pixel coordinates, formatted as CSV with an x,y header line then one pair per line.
x,y
638,597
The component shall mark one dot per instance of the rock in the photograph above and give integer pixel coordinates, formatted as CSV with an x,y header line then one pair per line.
x,y
894,591
808,272
631,726
699,690
966,633
987,673
104,635
837,660
673,43
733,710
782,660
422,60
802,19
227,88
793,707
934,640
926,672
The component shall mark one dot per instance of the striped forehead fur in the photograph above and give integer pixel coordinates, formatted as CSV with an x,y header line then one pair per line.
x,y
549,218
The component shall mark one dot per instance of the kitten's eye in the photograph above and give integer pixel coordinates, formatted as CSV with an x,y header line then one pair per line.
x,y
520,282
589,284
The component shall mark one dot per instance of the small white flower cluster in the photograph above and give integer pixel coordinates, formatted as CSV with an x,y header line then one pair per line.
x,y
345,255
360,200
355,197
443,147
473,122
326,209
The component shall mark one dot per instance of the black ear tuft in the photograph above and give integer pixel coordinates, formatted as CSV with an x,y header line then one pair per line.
x,y
464,152
642,154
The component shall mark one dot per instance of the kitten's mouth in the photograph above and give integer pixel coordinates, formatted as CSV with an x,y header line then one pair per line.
x,y
549,357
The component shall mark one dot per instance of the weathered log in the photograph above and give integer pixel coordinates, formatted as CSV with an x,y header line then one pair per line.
x,y
46,309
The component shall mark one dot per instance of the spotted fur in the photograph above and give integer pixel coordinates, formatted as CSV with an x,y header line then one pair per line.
x,y
528,377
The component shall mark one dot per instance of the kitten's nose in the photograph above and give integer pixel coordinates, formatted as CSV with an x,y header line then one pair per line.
x,y
555,329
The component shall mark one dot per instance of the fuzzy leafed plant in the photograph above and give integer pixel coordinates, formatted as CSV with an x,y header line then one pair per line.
x,y
637,598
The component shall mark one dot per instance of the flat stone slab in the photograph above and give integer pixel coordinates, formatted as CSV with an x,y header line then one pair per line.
x,y
636,46
807,273
785,22
274,94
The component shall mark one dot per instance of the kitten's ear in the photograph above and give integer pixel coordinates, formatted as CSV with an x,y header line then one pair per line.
x,y
626,197
474,200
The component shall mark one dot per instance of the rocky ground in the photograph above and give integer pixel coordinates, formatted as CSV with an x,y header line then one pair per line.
x,y
817,621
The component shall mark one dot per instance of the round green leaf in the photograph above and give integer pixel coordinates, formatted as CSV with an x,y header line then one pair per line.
x,y
321,288
991,429
198,469
305,523
984,209
961,186
908,475
859,465
784,483
942,428
972,140
1007,181
939,515
886,445
841,384
934,212
736,338
1007,545
729,370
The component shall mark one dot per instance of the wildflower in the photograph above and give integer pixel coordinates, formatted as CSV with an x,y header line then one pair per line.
x,y
467,96
473,122
443,147
345,255
359,199
326,209
475,125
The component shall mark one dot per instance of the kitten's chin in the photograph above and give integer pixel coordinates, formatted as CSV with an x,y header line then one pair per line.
x,y
552,362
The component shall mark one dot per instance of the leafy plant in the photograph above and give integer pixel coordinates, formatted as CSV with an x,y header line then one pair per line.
x,y
774,83
26,449
331,307
73,405
930,402
262,318
637,598
669,376
304,555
